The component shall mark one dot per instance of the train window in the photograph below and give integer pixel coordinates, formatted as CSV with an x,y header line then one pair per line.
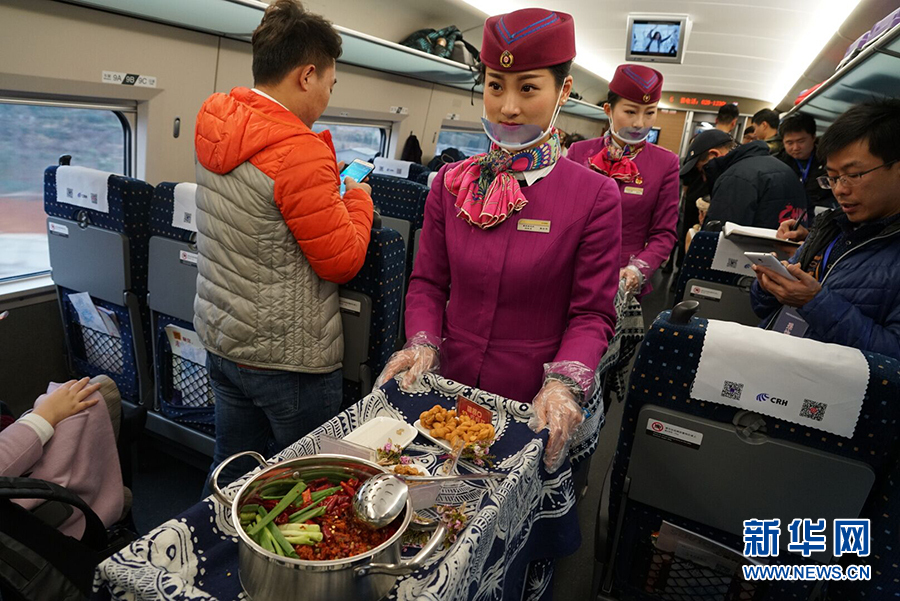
x,y
469,142
356,140
33,134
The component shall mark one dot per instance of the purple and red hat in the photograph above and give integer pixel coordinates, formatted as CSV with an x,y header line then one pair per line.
x,y
637,83
531,38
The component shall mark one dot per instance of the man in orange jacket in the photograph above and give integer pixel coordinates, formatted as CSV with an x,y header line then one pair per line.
x,y
275,240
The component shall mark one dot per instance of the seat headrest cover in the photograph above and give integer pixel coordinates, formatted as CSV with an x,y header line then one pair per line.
x,y
83,187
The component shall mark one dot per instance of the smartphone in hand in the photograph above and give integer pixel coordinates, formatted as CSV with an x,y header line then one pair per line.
x,y
357,170
769,261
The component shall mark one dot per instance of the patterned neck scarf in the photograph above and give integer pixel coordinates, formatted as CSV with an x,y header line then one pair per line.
x,y
486,191
618,161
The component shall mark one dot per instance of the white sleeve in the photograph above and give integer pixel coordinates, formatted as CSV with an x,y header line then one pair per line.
x,y
40,426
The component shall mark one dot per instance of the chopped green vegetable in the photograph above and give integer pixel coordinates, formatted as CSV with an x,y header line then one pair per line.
x,y
281,506
307,538
299,528
319,495
282,546
249,508
307,514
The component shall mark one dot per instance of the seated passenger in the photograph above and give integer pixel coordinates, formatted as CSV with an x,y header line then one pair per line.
x,y
275,239
748,187
849,265
766,123
66,440
798,132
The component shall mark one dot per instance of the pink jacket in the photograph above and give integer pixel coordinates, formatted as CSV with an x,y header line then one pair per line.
x,y
81,456
508,299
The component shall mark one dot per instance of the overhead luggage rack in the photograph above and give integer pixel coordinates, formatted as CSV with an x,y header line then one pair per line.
x,y
875,73
237,19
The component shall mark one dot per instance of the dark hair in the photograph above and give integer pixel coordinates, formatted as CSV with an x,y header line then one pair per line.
x,y
288,37
798,123
613,99
559,72
727,113
765,116
726,148
750,129
876,121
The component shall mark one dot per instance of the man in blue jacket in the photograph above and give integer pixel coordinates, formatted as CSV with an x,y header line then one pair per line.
x,y
848,270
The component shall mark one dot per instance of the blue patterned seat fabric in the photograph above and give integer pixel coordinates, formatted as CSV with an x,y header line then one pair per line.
x,y
698,264
422,178
399,198
94,352
663,374
182,387
416,170
381,278
161,208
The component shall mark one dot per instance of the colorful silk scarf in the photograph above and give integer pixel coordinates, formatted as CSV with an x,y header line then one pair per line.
x,y
618,162
486,191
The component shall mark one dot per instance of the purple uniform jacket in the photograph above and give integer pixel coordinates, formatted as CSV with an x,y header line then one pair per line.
x,y
507,300
649,209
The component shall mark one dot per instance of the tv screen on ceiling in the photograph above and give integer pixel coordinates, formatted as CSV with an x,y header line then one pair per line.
x,y
657,38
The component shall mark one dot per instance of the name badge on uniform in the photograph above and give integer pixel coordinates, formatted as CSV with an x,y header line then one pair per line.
x,y
634,190
789,322
534,225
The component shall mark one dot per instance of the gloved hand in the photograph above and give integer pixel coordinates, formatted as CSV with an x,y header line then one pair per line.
x,y
555,408
634,274
418,356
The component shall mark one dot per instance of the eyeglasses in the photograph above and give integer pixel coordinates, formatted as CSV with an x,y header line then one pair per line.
x,y
849,179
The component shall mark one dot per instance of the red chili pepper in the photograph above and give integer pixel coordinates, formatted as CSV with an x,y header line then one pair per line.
x,y
329,503
353,482
307,497
348,489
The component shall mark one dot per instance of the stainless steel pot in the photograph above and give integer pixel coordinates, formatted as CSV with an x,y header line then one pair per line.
x,y
367,577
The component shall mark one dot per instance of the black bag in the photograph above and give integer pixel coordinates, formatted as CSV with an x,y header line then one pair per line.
x,y
449,155
37,561
439,43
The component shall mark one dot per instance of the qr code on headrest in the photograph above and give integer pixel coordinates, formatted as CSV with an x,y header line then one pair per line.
x,y
813,410
187,217
732,390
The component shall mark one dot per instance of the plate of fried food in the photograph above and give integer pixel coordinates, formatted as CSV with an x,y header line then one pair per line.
x,y
443,427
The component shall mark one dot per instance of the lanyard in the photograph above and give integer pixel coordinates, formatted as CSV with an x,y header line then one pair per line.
x,y
805,170
824,264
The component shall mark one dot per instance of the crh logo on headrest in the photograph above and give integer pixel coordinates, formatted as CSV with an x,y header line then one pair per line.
x,y
763,397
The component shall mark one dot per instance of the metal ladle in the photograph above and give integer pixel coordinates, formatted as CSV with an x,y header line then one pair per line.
x,y
382,497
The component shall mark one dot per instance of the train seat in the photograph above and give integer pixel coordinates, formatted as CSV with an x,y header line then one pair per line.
x,y
722,295
183,391
98,242
746,466
370,311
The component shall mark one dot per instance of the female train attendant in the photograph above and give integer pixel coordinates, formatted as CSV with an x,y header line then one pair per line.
x,y
647,175
518,262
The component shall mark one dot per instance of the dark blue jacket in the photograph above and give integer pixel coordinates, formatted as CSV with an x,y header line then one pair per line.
x,y
859,304
749,187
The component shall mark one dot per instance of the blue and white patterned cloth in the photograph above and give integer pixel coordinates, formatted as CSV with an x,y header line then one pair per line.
x,y
516,526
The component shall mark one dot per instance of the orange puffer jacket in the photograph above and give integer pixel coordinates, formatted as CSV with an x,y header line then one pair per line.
x,y
274,236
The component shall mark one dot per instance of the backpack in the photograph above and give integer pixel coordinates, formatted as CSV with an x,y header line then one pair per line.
x,y
438,42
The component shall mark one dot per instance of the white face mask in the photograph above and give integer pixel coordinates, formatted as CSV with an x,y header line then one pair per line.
x,y
629,135
518,137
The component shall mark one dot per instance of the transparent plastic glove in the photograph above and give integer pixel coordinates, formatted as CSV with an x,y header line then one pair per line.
x,y
418,356
555,408
634,274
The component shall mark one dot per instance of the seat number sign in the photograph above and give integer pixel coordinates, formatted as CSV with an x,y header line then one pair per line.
x,y
129,79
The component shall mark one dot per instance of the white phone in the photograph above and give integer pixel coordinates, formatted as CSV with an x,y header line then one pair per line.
x,y
769,261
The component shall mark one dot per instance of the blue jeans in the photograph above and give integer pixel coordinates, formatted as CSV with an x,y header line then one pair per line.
x,y
265,410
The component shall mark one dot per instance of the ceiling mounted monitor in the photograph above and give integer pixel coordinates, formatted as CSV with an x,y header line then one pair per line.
x,y
657,38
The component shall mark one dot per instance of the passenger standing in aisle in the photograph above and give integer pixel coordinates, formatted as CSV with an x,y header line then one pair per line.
x,y
275,240
765,123
726,118
798,133
517,269
647,174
